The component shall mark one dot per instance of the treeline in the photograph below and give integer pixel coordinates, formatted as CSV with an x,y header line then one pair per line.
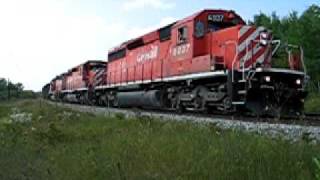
x,y
10,90
301,30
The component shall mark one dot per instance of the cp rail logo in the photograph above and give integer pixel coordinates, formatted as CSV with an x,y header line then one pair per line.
x,y
149,55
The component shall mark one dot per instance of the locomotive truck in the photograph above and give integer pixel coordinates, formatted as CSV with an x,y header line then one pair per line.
x,y
209,61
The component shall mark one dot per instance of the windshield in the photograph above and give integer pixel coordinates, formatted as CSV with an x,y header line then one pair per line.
x,y
217,22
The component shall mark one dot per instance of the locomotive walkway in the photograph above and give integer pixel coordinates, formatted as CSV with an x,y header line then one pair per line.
x,y
291,132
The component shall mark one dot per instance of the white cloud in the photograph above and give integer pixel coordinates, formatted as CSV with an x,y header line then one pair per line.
x,y
40,39
138,31
156,4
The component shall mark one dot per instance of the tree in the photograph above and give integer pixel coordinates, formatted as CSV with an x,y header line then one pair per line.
x,y
310,22
301,30
15,90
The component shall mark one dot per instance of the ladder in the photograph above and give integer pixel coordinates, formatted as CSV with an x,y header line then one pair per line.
x,y
240,80
239,88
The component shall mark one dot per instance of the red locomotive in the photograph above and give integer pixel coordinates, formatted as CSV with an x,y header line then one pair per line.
x,y
78,83
209,61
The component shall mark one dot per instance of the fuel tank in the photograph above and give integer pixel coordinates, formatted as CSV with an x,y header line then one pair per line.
x,y
151,98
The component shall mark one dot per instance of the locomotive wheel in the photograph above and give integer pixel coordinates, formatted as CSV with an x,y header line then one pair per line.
x,y
103,100
115,102
180,108
227,104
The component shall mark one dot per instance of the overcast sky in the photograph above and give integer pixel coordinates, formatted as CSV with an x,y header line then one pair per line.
x,y
43,38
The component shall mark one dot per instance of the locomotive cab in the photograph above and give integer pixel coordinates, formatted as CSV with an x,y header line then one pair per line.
x,y
221,41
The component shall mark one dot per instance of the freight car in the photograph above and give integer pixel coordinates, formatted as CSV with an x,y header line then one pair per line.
x,y
209,61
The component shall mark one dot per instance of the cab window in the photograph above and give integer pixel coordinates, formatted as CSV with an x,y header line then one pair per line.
x,y
217,22
182,35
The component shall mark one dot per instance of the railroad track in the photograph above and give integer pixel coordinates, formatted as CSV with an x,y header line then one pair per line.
x,y
306,128
309,119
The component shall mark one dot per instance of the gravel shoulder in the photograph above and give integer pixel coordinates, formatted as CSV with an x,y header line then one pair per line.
x,y
289,132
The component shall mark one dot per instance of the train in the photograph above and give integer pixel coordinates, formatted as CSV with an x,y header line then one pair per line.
x,y
211,61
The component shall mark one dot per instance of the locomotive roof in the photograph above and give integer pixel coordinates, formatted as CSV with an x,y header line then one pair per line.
x,y
57,77
195,15
95,62
87,62
177,23
76,67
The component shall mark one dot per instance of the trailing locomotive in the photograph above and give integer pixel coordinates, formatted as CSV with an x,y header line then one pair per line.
x,y
209,61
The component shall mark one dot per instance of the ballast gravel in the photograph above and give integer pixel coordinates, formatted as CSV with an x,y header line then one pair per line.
x,y
289,132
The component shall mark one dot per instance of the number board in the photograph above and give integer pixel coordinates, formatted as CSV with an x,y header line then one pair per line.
x,y
215,17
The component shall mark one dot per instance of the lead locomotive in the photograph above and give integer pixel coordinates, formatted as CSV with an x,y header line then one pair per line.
x,y
209,61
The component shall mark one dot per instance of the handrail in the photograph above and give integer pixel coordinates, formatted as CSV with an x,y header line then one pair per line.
x,y
246,57
302,60
235,57
301,55
278,42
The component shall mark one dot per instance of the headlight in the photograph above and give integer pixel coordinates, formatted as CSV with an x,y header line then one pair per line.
x,y
264,35
263,42
267,78
259,69
298,81
263,38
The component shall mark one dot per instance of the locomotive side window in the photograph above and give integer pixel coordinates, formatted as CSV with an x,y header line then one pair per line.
x,y
199,29
182,35
117,55
135,44
165,33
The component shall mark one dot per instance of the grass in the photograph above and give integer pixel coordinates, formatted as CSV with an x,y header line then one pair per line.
x,y
313,102
62,144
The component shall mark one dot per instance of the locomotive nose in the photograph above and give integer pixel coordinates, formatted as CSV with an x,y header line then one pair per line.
x,y
254,46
